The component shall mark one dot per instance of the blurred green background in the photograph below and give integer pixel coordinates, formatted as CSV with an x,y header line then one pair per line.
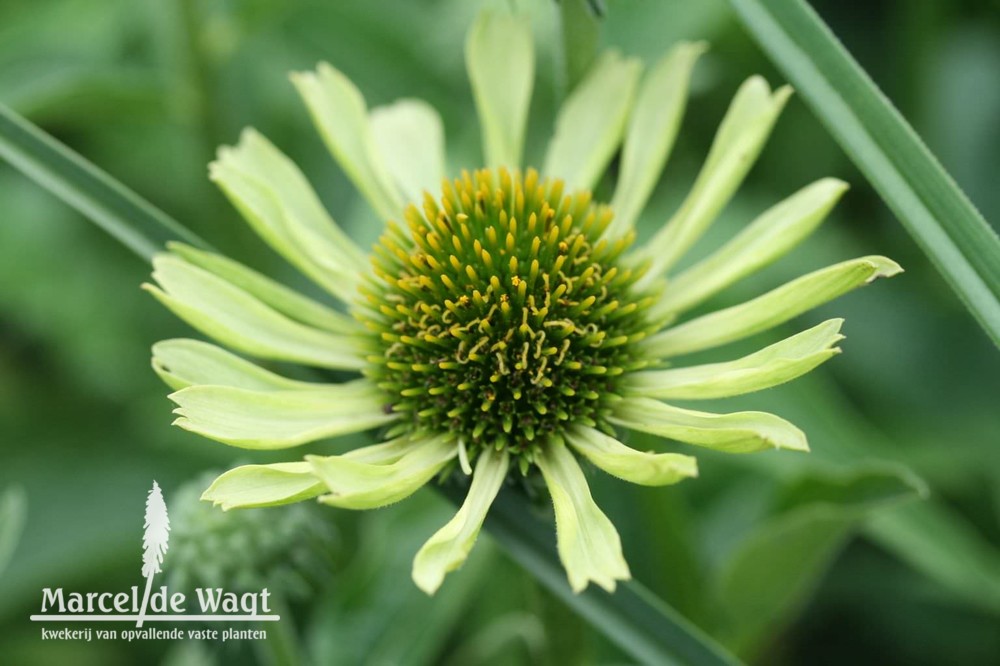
x,y
787,559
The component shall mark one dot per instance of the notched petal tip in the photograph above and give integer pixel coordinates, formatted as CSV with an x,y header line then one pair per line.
x,y
588,543
449,547
795,441
884,267
177,397
224,156
645,468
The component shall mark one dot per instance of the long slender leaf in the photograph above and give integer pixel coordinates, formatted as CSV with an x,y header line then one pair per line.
x,y
772,572
878,139
634,618
106,202
943,546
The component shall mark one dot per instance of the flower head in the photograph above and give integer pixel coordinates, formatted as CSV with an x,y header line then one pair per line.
x,y
504,323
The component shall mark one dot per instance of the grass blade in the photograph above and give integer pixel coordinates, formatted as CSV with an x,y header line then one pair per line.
x,y
944,223
121,212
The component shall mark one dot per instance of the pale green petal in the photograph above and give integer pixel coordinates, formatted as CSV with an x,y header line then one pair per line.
x,y
384,453
450,545
279,419
770,236
355,484
738,142
237,319
591,122
252,486
286,301
587,541
500,58
278,202
410,137
739,432
775,307
643,468
182,363
651,131
772,365
339,112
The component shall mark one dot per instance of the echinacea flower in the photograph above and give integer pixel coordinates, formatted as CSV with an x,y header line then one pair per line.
x,y
504,323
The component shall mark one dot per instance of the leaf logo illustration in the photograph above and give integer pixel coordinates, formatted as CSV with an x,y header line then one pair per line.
x,y
155,541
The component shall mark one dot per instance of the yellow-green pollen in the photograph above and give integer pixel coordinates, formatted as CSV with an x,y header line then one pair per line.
x,y
503,312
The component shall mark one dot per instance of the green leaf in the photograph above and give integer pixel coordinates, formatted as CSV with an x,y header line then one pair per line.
x,y
107,203
941,544
774,569
935,540
12,514
881,143
857,489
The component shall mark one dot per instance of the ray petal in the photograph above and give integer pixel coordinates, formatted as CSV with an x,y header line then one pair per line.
x,y
739,432
588,543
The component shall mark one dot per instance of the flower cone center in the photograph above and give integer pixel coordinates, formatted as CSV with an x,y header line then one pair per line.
x,y
504,312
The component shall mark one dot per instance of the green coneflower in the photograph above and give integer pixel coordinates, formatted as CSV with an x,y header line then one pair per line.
x,y
504,323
